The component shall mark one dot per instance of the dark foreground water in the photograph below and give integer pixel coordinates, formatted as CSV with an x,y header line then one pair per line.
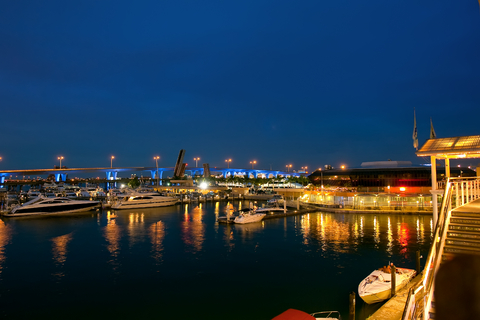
x,y
178,263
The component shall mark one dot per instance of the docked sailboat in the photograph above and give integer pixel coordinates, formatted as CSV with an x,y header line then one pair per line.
x,y
52,206
378,286
144,200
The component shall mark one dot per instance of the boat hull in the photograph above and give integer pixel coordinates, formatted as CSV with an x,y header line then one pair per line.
x,y
377,286
54,210
249,218
139,204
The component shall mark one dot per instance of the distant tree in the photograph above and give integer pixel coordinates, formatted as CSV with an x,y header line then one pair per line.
x,y
134,183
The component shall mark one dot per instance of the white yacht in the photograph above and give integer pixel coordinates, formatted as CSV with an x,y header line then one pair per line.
x,y
96,192
33,193
83,194
144,200
52,206
271,209
249,216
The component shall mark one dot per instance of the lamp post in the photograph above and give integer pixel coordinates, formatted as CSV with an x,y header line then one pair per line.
x,y
228,163
321,173
305,169
196,162
111,161
288,167
156,163
60,158
253,163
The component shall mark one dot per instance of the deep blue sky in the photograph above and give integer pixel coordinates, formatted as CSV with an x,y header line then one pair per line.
x,y
302,82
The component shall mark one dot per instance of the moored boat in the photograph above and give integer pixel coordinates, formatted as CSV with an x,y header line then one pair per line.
x,y
52,206
294,314
144,200
248,216
378,286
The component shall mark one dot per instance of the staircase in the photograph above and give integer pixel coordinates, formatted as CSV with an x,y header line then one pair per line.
x,y
463,235
457,232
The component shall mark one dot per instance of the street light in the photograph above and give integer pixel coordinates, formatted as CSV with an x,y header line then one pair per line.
x,y
323,195
196,162
253,163
228,163
305,169
288,167
60,158
111,161
156,163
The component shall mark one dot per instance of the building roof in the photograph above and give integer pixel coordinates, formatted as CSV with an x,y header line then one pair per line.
x,y
456,147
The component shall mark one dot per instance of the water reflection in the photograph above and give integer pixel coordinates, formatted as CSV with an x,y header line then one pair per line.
x,y
5,237
193,230
403,237
376,231
59,251
228,237
250,230
157,234
136,226
113,233
389,237
343,234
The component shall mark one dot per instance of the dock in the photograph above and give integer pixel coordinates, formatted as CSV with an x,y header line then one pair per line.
x,y
393,308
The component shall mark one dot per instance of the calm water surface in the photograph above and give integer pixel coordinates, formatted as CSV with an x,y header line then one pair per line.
x,y
177,262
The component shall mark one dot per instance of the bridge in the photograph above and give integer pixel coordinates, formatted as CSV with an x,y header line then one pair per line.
x,y
111,173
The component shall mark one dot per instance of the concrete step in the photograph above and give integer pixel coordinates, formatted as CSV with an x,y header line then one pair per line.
x,y
463,227
463,242
461,250
465,220
463,234
472,215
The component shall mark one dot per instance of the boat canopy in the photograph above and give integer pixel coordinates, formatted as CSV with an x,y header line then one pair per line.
x,y
294,314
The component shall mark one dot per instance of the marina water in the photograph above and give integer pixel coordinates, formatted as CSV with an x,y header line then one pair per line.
x,y
178,262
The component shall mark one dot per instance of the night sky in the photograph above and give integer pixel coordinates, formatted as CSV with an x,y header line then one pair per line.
x,y
306,83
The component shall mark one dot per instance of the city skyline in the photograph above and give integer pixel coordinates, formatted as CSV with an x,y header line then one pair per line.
x,y
279,83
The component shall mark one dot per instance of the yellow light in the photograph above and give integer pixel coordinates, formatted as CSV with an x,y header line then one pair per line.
x,y
403,188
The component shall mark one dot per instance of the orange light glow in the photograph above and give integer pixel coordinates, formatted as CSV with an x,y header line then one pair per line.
x,y
403,189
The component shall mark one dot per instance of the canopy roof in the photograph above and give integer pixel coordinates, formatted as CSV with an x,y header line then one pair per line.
x,y
452,148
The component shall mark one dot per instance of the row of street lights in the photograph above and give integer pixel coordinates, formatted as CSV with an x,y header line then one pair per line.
x,y
196,159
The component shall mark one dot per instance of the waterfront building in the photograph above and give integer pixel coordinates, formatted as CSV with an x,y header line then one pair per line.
x,y
381,185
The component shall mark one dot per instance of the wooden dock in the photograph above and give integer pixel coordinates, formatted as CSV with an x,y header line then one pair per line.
x,y
393,308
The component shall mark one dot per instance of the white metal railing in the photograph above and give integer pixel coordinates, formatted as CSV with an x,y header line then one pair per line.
x,y
458,191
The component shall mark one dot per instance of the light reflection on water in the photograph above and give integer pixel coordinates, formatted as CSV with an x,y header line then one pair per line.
x,y
113,234
157,234
5,236
59,252
193,230
163,251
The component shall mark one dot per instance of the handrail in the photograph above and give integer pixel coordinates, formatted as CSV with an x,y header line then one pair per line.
x,y
465,189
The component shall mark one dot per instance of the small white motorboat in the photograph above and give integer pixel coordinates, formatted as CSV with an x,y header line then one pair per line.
x,y
248,216
378,286
294,314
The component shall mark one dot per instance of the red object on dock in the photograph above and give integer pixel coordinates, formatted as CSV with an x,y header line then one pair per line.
x,y
294,314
